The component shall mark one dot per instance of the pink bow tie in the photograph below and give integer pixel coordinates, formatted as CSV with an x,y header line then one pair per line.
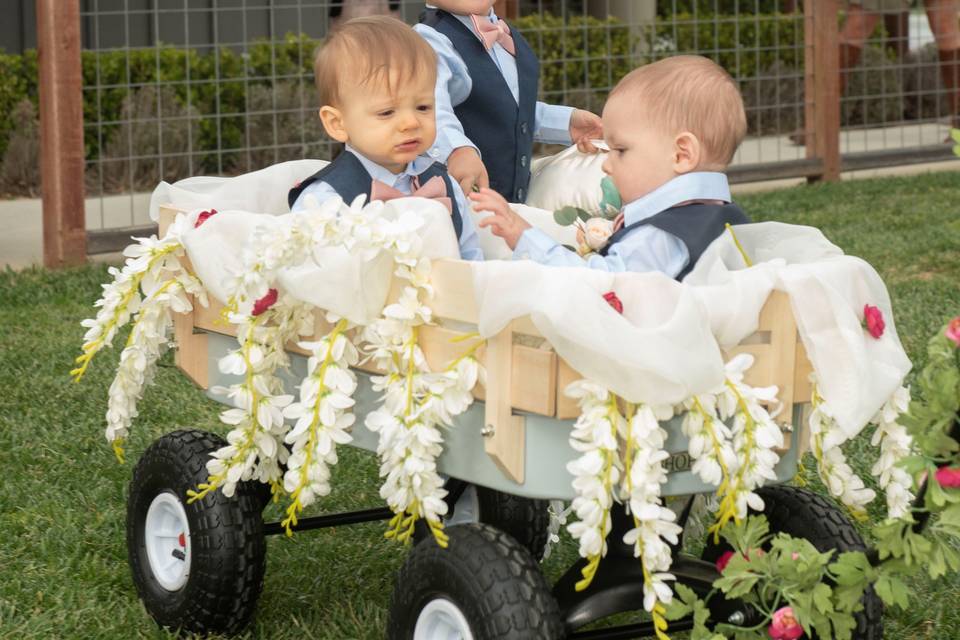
x,y
491,33
435,189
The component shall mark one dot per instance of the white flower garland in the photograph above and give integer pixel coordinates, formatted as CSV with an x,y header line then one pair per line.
x,y
654,524
710,440
322,419
826,439
151,282
755,439
895,445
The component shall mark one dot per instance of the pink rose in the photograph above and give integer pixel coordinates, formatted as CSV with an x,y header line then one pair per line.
x,y
948,477
873,320
203,217
784,625
265,302
953,331
613,301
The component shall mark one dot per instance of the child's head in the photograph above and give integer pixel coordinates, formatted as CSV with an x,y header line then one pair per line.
x,y
464,7
671,117
376,80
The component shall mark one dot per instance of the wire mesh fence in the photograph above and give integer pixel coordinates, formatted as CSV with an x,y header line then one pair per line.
x,y
177,88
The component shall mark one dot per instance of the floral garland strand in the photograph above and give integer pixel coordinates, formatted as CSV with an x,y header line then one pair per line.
x,y
255,448
148,339
654,525
756,437
826,439
322,419
895,446
710,441
596,473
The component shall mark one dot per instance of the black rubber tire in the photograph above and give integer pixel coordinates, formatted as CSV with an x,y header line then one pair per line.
x,y
227,545
804,514
493,580
526,519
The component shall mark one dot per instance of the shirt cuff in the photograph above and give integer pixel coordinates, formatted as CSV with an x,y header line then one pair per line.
x,y
447,142
534,245
553,123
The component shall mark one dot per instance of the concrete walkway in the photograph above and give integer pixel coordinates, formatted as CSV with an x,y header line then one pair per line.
x,y
21,238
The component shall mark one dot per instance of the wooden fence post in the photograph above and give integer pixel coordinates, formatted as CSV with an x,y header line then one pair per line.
x,y
61,133
822,85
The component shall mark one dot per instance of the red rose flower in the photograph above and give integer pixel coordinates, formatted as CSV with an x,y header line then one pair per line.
x,y
265,302
203,217
613,301
948,477
953,331
873,321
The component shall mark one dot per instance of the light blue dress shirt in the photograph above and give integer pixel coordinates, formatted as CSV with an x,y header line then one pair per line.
x,y
403,182
551,122
645,248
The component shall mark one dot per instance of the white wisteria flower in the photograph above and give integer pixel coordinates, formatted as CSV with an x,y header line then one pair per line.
x,y
826,439
895,445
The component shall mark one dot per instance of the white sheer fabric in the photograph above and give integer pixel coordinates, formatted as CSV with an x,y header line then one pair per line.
x,y
666,345
569,178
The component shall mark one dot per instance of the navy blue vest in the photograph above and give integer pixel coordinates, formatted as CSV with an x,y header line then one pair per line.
x,y
349,179
696,225
501,127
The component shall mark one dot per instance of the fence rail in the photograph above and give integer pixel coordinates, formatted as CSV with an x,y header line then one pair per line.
x,y
173,88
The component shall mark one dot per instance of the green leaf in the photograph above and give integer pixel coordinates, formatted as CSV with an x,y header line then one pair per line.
x,y
892,591
822,598
583,215
567,215
955,134
611,197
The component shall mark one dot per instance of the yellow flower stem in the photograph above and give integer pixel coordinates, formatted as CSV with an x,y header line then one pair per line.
x,y
296,506
91,348
153,296
736,241
714,440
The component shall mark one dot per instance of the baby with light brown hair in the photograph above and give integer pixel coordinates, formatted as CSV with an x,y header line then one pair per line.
x,y
672,128
375,77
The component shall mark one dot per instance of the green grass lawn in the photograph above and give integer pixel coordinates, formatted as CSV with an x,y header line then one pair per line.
x,y
63,567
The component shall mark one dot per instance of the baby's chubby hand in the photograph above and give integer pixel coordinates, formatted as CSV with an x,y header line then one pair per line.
x,y
504,222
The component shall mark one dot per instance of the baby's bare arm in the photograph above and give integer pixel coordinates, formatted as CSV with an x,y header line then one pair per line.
x,y
504,221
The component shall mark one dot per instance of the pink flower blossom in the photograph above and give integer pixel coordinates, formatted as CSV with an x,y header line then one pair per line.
x,y
784,625
948,477
265,302
873,321
953,331
203,217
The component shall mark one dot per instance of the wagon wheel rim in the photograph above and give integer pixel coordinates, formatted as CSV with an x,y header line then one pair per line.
x,y
441,619
167,539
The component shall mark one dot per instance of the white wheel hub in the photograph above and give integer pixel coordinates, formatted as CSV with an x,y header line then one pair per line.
x,y
441,619
167,538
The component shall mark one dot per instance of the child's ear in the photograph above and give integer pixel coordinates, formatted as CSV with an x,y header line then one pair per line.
x,y
332,121
686,153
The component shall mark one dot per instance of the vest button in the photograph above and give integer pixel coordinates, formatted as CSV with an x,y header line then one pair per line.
x,y
523,128
523,161
520,195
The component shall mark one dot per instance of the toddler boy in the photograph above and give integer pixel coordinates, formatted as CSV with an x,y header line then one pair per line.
x,y
376,79
672,128
487,109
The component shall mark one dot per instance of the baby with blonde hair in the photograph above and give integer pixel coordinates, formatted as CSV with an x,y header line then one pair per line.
x,y
376,78
672,127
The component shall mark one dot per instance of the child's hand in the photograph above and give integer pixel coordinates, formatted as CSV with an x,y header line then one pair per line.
x,y
504,222
585,126
465,166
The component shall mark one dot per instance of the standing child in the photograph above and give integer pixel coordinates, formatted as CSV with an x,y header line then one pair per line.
x,y
672,128
376,80
487,111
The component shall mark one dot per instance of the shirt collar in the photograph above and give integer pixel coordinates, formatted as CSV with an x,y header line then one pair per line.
x,y
699,185
465,19
384,175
